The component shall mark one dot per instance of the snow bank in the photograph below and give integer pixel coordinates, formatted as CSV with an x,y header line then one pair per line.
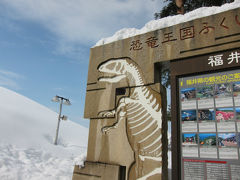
x,y
27,131
168,21
34,164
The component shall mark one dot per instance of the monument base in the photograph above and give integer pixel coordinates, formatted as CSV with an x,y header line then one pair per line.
x,y
99,171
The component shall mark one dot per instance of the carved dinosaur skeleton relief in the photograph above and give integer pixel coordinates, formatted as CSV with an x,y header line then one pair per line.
x,y
142,112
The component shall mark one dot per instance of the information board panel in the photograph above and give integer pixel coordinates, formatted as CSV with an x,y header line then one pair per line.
x,y
210,125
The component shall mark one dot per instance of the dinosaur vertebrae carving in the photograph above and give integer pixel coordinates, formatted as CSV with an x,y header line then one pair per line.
x,y
142,112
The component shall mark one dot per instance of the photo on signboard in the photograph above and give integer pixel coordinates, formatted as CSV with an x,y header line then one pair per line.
x,y
224,114
204,92
205,96
227,140
236,93
236,89
223,90
227,143
237,109
206,115
188,94
207,139
238,139
207,142
190,145
238,126
223,95
190,139
188,115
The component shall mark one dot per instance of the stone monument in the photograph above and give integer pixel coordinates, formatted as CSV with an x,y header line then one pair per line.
x,y
126,103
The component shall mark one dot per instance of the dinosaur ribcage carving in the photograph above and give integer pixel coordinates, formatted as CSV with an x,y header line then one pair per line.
x,y
143,130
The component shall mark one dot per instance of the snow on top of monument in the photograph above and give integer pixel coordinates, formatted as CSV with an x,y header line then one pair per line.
x,y
168,21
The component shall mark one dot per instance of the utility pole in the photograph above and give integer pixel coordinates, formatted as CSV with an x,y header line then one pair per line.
x,y
62,101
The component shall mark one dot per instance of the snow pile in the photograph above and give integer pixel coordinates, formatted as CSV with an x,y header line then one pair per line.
x,y
32,163
27,131
168,21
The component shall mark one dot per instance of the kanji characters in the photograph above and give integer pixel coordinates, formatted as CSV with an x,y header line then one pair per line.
x,y
152,42
215,60
234,56
168,37
189,32
200,80
136,45
186,33
237,75
211,79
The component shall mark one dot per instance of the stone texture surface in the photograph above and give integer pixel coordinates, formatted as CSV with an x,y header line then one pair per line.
x,y
197,37
201,36
97,171
112,148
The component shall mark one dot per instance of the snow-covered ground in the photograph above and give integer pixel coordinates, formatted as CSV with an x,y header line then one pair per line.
x,y
27,131
168,21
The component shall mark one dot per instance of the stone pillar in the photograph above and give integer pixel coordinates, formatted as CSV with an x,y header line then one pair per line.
x,y
126,104
128,130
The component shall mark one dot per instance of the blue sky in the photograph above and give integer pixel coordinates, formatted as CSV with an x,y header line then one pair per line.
x,y
203,136
226,135
189,135
45,45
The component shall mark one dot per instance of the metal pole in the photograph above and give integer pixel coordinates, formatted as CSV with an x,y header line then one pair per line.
x,y
59,119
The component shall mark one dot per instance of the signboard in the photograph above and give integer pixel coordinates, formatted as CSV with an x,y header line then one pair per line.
x,y
203,45
210,125
206,116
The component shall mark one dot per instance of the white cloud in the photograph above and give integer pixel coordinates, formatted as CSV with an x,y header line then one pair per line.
x,y
10,79
81,22
58,89
11,74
